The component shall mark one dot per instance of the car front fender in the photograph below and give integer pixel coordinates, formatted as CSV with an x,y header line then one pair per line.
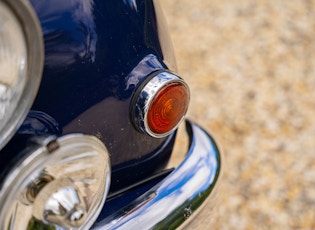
x,y
177,197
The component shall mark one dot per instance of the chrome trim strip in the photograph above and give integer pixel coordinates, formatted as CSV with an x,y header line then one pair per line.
x,y
178,196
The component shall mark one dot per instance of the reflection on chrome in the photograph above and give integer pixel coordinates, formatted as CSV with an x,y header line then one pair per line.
x,y
5,97
60,203
59,184
21,62
142,102
179,195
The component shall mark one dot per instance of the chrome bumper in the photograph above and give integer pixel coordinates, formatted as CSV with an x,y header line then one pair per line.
x,y
176,198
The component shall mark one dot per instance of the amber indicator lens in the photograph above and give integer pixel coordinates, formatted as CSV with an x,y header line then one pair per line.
x,y
160,104
168,108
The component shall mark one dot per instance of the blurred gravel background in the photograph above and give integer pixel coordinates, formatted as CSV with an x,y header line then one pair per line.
x,y
251,68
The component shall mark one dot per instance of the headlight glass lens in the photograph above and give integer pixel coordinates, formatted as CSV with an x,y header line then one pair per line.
x,y
21,62
12,62
59,184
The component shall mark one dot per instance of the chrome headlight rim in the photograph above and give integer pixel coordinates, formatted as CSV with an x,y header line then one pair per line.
x,y
23,192
30,26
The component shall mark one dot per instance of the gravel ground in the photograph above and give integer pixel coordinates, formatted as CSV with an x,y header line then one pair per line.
x,y
251,68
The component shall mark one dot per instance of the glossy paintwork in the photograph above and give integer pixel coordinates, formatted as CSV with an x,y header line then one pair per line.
x,y
176,198
93,50
119,200
96,54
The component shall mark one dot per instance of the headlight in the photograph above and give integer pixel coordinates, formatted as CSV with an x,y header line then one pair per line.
x,y
59,184
21,62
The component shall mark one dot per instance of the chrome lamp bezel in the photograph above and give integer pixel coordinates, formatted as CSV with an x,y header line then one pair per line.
x,y
143,98
54,174
30,26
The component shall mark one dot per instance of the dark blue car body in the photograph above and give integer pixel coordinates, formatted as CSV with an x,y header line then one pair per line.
x,y
97,53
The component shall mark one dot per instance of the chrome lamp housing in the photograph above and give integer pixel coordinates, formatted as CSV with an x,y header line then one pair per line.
x,y
21,64
61,183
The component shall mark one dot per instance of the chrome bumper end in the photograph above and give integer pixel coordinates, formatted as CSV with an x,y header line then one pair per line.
x,y
180,195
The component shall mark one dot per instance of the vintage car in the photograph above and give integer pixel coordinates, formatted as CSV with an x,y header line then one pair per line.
x,y
90,104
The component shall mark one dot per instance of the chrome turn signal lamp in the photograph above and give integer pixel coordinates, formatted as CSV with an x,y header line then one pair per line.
x,y
160,104
21,63
59,184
